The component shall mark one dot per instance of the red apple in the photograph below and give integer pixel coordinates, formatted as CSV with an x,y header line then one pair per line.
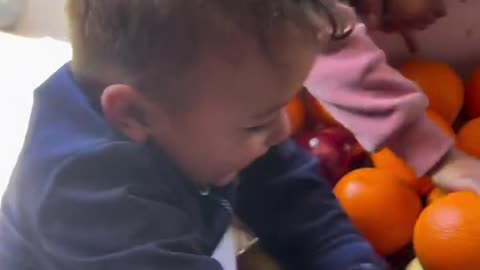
x,y
336,148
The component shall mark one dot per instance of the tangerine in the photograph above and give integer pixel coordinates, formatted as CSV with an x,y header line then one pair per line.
x,y
447,233
381,206
296,114
440,83
472,95
468,138
387,160
436,194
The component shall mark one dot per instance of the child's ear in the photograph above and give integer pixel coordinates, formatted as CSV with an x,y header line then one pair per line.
x,y
125,109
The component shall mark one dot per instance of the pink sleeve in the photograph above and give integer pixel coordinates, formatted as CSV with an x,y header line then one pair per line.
x,y
376,103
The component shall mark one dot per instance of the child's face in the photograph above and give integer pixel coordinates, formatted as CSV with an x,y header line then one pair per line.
x,y
237,110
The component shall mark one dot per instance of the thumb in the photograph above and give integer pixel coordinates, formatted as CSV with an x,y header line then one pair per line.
x,y
410,41
439,8
461,184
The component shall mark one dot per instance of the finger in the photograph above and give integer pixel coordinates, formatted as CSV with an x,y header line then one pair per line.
x,y
467,185
367,7
410,41
439,8
428,19
421,27
476,189
424,22
450,186
371,11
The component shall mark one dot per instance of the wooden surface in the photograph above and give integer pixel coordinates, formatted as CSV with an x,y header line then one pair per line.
x,y
256,259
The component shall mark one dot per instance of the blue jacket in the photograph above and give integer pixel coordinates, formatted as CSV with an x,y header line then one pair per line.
x,y
82,197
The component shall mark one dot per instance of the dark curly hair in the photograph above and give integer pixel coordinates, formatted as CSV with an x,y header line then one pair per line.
x,y
128,38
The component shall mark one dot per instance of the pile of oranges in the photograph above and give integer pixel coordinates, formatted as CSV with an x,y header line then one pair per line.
x,y
395,209
391,215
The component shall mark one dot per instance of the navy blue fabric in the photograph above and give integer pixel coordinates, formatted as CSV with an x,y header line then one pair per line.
x,y
293,211
83,197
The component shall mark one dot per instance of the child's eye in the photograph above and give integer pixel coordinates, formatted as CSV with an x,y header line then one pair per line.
x,y
265,126
257,129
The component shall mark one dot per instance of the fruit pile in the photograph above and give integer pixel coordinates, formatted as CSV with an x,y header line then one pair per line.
x,y
317,132
405,218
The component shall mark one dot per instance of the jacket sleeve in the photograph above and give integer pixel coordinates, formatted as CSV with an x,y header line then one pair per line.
x,y
375,102
105,210
298,220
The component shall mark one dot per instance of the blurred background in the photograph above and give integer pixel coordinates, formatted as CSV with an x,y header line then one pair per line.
x,y
37,44
30,50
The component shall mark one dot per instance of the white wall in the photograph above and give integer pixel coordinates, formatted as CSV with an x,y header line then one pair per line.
x,y
43,18
25,63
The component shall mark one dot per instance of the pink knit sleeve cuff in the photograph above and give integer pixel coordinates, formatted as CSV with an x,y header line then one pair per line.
x,y
421,145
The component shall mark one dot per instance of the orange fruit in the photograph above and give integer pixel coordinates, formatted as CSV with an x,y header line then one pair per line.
x,y
447,233
468,138
381,207
440,83
387,160
436,194
472,95
296,114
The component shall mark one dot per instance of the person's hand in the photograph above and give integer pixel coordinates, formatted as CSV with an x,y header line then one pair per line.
x,y
401,16
392,15
458,172
413,14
